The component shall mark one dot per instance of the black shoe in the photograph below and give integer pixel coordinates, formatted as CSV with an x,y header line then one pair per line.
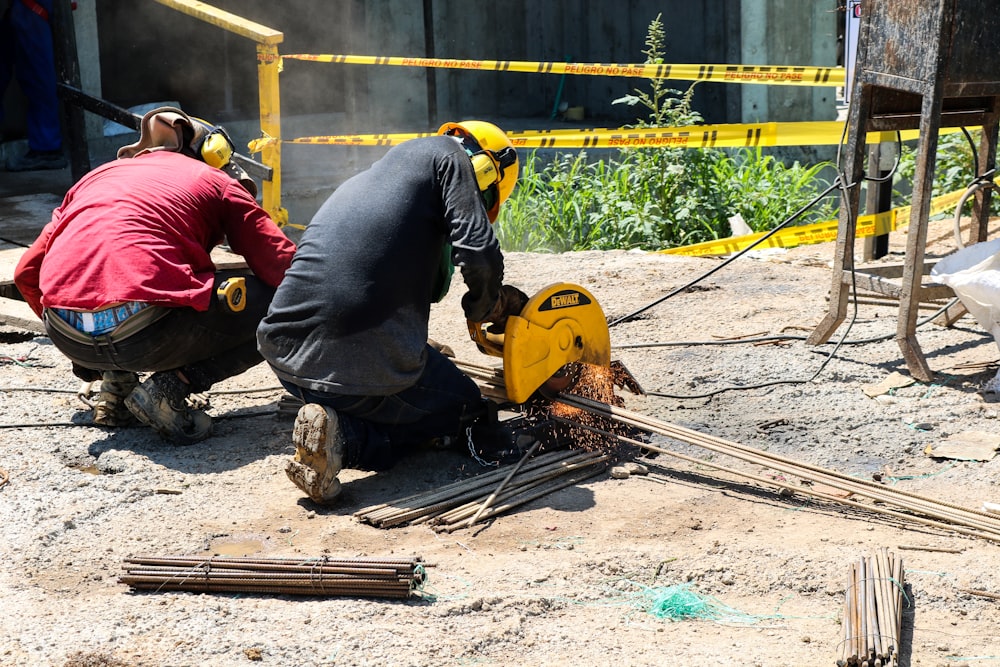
x,y
37,160
160,402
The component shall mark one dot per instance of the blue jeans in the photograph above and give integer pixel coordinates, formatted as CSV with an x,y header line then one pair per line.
x,y
379,430
26,50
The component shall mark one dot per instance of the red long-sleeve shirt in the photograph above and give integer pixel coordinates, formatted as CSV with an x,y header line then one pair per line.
x,y
141,229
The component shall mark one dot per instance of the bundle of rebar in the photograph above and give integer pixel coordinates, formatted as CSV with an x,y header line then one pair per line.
x,y
458,505
323,576
888,501
873,608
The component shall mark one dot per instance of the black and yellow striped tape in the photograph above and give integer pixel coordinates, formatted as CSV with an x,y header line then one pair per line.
x,y
819,232
764,74
695,136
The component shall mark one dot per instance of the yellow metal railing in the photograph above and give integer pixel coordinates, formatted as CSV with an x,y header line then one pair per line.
x,y
268,64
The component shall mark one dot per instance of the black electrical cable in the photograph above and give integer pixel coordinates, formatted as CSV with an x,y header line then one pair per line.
x,y
777,337
838,183
972,147
729,259
834,186
772,383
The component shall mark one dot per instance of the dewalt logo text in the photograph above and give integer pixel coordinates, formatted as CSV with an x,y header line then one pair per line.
x,y
565,300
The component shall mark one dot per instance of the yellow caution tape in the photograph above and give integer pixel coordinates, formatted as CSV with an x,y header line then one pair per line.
x,y
819,232
765,74
694,136
360,139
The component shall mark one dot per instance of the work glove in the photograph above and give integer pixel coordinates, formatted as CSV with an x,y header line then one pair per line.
x,y
510,302
442,348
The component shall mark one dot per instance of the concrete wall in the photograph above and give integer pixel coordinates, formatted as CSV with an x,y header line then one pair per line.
x,y
134,53
156,54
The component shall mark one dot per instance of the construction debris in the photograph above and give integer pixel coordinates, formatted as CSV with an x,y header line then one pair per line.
x,y
369,577
965,446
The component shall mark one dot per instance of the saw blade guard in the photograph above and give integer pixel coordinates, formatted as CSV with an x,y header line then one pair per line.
x,y
561,324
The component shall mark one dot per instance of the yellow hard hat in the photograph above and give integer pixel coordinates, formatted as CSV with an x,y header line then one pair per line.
x,y
493,156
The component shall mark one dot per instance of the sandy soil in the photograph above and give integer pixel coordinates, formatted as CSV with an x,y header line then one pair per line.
x,y
570,579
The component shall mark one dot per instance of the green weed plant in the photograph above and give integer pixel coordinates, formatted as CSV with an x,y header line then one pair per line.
x,y
653,198
954,170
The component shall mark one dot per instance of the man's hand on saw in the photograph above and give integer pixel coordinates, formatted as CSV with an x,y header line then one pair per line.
x,y
511,301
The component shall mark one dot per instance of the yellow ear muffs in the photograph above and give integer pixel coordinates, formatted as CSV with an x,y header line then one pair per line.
x,y
486,170
217,149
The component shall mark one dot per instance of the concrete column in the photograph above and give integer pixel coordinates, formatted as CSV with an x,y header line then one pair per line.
x,y
788,32
85,26
754,51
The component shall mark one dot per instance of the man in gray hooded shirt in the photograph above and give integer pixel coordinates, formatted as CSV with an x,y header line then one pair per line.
x,y
347,329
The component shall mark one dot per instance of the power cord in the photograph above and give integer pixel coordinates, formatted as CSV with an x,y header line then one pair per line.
x,y
839,183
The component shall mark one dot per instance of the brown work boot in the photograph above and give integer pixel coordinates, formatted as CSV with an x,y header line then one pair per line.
x,y
110,410
319,453
160,402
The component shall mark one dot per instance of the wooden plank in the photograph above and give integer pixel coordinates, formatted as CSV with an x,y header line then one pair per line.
x,y
8,262
25,215
893,287
16,313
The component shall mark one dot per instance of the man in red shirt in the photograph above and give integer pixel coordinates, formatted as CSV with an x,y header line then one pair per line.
x,y
123,279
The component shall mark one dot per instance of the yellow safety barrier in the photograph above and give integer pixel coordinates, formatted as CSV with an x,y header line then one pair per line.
x,y
819,232
694,136
765,74
268,66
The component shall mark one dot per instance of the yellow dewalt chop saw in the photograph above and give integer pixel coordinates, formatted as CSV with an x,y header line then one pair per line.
x,y
560,326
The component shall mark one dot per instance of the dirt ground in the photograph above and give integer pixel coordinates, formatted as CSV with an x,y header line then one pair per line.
x,y
577,577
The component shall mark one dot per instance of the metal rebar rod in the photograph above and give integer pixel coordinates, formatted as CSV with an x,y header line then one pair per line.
x,y
986,525
528,497
320,576
276,590
415,505
463,512
734,448
493,496
279,572
387,519
228,561
877,509
847,621
526,481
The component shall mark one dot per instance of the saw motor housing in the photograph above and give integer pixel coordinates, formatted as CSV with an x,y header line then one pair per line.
x,y
560,324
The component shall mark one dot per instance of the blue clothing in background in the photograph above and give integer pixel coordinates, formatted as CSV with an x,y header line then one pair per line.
x,y
26,51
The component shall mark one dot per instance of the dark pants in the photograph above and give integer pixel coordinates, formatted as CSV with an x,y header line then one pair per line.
x,y
205,346
379,430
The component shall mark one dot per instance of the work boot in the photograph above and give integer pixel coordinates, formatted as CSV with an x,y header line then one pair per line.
x,y
319,452
160,402
37,160
110,410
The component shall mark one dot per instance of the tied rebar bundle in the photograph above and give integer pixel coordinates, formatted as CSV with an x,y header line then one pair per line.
x,y
873,612
460,504
369,577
